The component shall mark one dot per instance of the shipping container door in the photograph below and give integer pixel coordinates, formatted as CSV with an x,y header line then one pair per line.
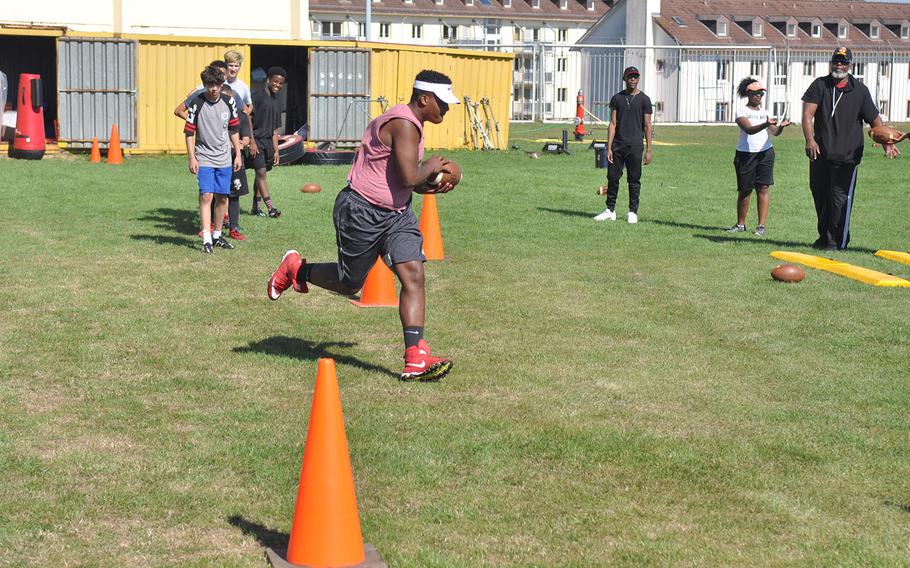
x,y
339,81
96,85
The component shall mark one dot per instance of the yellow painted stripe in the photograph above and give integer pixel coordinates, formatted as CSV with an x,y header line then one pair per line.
x,y
894,255
858,273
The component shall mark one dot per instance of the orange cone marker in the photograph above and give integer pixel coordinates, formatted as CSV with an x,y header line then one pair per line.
x,y
95,158
379,288
114,153
326,527
429,227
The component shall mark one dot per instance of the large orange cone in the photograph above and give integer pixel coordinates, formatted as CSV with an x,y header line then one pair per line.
x,y
326,526
379,288
95,158
429,227
114,153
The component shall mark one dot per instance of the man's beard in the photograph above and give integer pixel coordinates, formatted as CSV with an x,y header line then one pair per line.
x,y
839,74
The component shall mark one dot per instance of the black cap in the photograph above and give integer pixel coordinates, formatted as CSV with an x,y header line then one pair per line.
x,y
842,54
630,71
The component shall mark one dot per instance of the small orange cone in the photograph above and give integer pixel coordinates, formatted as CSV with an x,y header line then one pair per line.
x,y
114,153
379,288
326,527
429,226
95,158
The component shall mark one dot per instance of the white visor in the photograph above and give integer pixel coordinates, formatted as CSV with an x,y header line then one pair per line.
x,y
443,91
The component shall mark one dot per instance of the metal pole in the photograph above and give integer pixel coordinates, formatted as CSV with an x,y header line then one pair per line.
x,y
369,19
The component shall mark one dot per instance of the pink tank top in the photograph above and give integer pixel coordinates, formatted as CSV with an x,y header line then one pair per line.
x,y
370,175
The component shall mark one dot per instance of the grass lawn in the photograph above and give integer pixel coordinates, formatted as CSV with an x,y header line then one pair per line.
x,y
623,394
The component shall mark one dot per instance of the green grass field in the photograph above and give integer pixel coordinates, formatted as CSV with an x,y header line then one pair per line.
x,y
623,394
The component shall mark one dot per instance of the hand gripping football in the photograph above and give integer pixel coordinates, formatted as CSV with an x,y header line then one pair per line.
x,y
885,134
451,173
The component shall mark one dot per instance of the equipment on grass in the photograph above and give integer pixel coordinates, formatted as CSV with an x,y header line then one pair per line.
x,y
480,137
378,289
600,154
431,229
451,173
555,148
311,188
895,255
29,142
885,134
580,116
789,273
290,149
114,152
488,113
858,273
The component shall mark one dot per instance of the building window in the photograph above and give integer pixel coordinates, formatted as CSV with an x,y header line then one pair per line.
x,y
561,94
561,64
658,106
874,31
535,4
908,110
883,108
791,30
385,30
723,70
660,64
506,3
331,29
780,109
535,34
780,73
859,70
816,30
755,68
809,68
905,32
884,68
416,31
842,31
757,29
720,112
449,32
721,27
562,35
516,33
361,29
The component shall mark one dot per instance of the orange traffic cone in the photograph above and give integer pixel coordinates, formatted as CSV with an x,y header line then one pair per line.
x,y
114,153
379,288
95,158
429,226
326,527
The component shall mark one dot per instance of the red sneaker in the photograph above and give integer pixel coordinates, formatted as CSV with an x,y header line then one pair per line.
x,y
419,365
211,229
236,235
285,276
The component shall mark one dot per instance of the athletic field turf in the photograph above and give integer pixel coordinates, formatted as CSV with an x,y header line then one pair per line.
x,y
622,394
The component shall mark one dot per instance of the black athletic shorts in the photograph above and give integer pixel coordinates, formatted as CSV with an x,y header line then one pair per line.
x,y
265,158
753,169
365,232
239,184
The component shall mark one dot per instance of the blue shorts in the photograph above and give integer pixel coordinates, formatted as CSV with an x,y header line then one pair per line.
x,y
214,180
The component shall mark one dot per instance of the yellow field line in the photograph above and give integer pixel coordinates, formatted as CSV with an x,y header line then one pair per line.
x,y
858,273
894,255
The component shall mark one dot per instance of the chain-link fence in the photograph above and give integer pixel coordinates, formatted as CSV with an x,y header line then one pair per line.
x,y
688,84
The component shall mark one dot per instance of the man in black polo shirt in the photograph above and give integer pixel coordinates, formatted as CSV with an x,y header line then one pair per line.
x,y
834,108
264,146
630,121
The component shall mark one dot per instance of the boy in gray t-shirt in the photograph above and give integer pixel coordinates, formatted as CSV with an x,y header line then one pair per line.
x,y
213,121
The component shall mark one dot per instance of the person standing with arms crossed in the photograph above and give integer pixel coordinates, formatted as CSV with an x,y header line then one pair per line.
x,y
373,218
754,161
834,108
630,121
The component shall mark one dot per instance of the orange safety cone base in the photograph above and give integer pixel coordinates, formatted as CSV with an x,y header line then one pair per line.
x,y
361,304
373,559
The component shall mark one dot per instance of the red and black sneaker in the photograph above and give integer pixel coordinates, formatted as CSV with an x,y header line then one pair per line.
x,y
419,365
237,235
285,276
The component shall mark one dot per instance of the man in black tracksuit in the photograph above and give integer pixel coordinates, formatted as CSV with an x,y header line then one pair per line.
x,y
834,108
630,122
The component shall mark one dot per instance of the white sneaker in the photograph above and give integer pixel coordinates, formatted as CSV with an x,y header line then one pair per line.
x,y
607,215
632,217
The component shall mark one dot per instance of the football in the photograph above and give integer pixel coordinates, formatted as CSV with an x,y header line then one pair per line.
x,y
451,173
311,188
885,134
602,190
788,273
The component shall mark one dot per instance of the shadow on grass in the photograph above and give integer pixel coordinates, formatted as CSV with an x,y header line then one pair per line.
x,y
265,536
567,212
764,241
183,221
167,240
309,351
685,225
902,506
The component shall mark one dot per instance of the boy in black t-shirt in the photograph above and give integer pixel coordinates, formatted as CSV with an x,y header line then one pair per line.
x,y
264,146
630,121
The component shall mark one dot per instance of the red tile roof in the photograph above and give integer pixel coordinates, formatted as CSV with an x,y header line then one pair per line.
x,y
549,10
693,32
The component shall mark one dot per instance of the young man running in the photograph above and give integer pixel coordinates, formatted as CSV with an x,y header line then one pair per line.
x,y
373,218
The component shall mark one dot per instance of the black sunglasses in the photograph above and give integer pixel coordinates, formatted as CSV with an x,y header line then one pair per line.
x,y
760,92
